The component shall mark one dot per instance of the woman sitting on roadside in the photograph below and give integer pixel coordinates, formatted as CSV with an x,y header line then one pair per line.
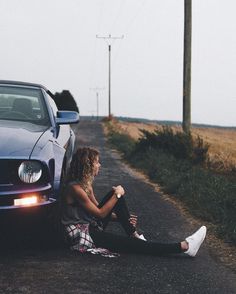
x,y
85,219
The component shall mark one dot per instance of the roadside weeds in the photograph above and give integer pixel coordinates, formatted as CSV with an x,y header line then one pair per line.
x,y
218,248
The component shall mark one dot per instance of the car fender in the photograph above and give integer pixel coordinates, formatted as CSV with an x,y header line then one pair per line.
x,y
51,155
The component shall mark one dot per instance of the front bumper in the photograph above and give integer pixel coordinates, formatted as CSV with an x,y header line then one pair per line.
x,y
10,197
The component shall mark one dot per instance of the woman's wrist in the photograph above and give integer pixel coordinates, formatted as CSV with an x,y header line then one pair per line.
x,y
118,191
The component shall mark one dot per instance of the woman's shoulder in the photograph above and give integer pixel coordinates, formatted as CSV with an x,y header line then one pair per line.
x,y
74,186
77,188
71,188
74,192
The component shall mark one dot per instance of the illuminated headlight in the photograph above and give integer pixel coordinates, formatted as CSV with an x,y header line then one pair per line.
x,y
30,199
26,201
30,171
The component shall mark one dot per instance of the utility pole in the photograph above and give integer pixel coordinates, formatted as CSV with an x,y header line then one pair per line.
x,y
108,39
187,66
97,96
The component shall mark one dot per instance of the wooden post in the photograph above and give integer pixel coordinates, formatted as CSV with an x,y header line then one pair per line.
x,y
109,69
187,66
109,81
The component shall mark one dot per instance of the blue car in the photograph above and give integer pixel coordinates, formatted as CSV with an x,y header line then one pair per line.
x,y
36,146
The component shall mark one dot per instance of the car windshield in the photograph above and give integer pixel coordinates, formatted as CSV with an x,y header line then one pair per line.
x,y
23,104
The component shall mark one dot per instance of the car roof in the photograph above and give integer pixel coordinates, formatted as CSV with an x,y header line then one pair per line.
x,y
25,84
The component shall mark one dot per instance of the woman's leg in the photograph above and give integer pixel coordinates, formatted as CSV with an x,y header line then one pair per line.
x,y
122,212
124,244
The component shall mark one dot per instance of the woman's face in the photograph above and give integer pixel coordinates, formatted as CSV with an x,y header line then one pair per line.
x,y
96,166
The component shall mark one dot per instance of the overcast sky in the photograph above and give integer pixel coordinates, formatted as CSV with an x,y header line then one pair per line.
x,y
53,42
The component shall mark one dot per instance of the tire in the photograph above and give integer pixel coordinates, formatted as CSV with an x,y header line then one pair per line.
x,y
54,213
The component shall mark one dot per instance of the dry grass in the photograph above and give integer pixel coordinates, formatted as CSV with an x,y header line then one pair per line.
x,y
222,150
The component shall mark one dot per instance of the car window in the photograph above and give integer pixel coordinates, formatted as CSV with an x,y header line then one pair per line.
x,y
23,104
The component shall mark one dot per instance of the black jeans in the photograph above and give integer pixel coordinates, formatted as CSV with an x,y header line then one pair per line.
x,y
124,244
122,212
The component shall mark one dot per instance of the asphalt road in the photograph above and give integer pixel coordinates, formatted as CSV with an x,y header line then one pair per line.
x,y
41,264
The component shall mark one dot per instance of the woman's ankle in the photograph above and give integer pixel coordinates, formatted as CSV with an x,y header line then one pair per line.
x,y
184,246
135,234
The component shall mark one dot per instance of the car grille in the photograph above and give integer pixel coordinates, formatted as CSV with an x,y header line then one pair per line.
x,y
4,173
6,201
8,171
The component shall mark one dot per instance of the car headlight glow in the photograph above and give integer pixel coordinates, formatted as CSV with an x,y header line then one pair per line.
x,y
26,201
30,171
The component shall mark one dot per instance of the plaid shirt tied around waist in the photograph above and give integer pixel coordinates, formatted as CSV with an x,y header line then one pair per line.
x,y
80,240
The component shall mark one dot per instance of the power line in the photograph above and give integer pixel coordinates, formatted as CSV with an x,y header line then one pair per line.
x,y
130,23
132,19
120,10
94,59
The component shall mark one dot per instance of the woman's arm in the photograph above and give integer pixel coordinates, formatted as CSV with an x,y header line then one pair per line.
x,y
80,196
94,200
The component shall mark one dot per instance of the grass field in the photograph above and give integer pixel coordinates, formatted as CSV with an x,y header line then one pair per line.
x,y
222,141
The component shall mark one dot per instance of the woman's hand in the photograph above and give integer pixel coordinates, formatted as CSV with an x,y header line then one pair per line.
x,y
114,217
119,190
133,220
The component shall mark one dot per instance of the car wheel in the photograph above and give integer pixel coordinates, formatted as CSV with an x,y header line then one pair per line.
x,y
55,211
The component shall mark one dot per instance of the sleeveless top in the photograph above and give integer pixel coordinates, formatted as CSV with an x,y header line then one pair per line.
x,y
74,213
76,221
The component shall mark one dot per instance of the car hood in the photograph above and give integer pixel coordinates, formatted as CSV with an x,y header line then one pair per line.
x,y
17,138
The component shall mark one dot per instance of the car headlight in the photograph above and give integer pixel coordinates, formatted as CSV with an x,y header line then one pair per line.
x,y
30,171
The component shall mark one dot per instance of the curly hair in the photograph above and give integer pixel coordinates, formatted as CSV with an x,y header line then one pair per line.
x,y
81,167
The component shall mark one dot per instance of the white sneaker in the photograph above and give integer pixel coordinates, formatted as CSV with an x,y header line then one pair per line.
x,y
142,237
136,235
194,241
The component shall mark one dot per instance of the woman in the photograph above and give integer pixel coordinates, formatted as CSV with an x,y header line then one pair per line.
x,y
85,219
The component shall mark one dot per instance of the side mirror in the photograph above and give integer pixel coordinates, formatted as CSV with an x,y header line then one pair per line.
x,y
67,117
